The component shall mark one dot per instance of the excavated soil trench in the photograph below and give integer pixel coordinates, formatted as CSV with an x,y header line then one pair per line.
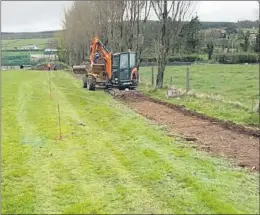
x,y
226,139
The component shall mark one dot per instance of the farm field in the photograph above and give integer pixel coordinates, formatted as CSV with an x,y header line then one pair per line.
x,y
21,53
228,92
11,44
109,159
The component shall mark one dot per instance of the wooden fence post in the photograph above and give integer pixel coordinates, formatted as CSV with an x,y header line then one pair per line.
x,y
152,76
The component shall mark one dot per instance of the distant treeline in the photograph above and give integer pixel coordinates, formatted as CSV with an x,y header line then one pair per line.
x,y
204,25
239,24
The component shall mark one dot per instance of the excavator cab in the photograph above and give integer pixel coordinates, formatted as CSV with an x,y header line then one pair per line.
x,y
124,74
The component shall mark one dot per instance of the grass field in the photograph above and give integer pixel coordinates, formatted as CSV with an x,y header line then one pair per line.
x,y
19,43
22,53
231,89
110,160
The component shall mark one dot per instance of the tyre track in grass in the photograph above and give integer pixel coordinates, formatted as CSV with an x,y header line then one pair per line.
x,y
43,177
51,187
158,198
176,166
114,176
208,172
116,148
48,185
28,130
105,180
15,170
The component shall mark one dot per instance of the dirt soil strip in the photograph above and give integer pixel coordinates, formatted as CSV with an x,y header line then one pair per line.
x,y
235,142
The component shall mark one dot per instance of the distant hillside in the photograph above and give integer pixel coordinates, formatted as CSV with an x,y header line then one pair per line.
x,y
204,25
29,35
18,44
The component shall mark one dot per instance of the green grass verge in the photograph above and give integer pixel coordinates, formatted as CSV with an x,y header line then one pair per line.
x,y
231,90
110,159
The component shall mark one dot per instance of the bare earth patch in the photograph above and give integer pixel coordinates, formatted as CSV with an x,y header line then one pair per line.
x,y
235,142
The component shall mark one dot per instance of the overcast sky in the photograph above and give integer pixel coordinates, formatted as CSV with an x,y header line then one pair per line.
x,y
17,16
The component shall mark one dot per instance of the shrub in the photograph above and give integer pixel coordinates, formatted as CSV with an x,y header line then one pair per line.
x,y
183,58
148,59
236,58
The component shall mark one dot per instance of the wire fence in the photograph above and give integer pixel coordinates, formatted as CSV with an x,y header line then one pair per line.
x,y
235,85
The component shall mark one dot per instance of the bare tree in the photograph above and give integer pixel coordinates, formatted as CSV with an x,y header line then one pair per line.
x,y
121,9
144,7
81,23
130,23
119,24
171,15
76,36
136,16
116,13
258,11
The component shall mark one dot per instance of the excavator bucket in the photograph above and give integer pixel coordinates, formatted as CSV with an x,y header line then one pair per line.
x,y
97,71
94,76
79,69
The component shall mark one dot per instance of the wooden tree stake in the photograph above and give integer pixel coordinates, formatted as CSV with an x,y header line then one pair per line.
x,y
187,80
59,118
50,84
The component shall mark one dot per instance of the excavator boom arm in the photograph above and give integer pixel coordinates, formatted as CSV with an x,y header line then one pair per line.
x,y
98,46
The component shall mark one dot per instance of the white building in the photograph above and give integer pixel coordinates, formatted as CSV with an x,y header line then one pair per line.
x,y
30,47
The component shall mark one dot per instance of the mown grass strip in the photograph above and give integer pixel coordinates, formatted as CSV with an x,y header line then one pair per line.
x,y
110,160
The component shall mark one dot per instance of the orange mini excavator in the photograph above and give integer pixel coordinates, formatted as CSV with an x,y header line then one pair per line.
x,y
110,70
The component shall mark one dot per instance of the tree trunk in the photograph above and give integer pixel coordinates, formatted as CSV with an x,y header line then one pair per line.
x,y
138,48
162,57
160,74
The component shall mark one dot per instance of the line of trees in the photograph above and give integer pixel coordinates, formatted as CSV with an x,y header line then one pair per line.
x,y
125,24
119,24
122,25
